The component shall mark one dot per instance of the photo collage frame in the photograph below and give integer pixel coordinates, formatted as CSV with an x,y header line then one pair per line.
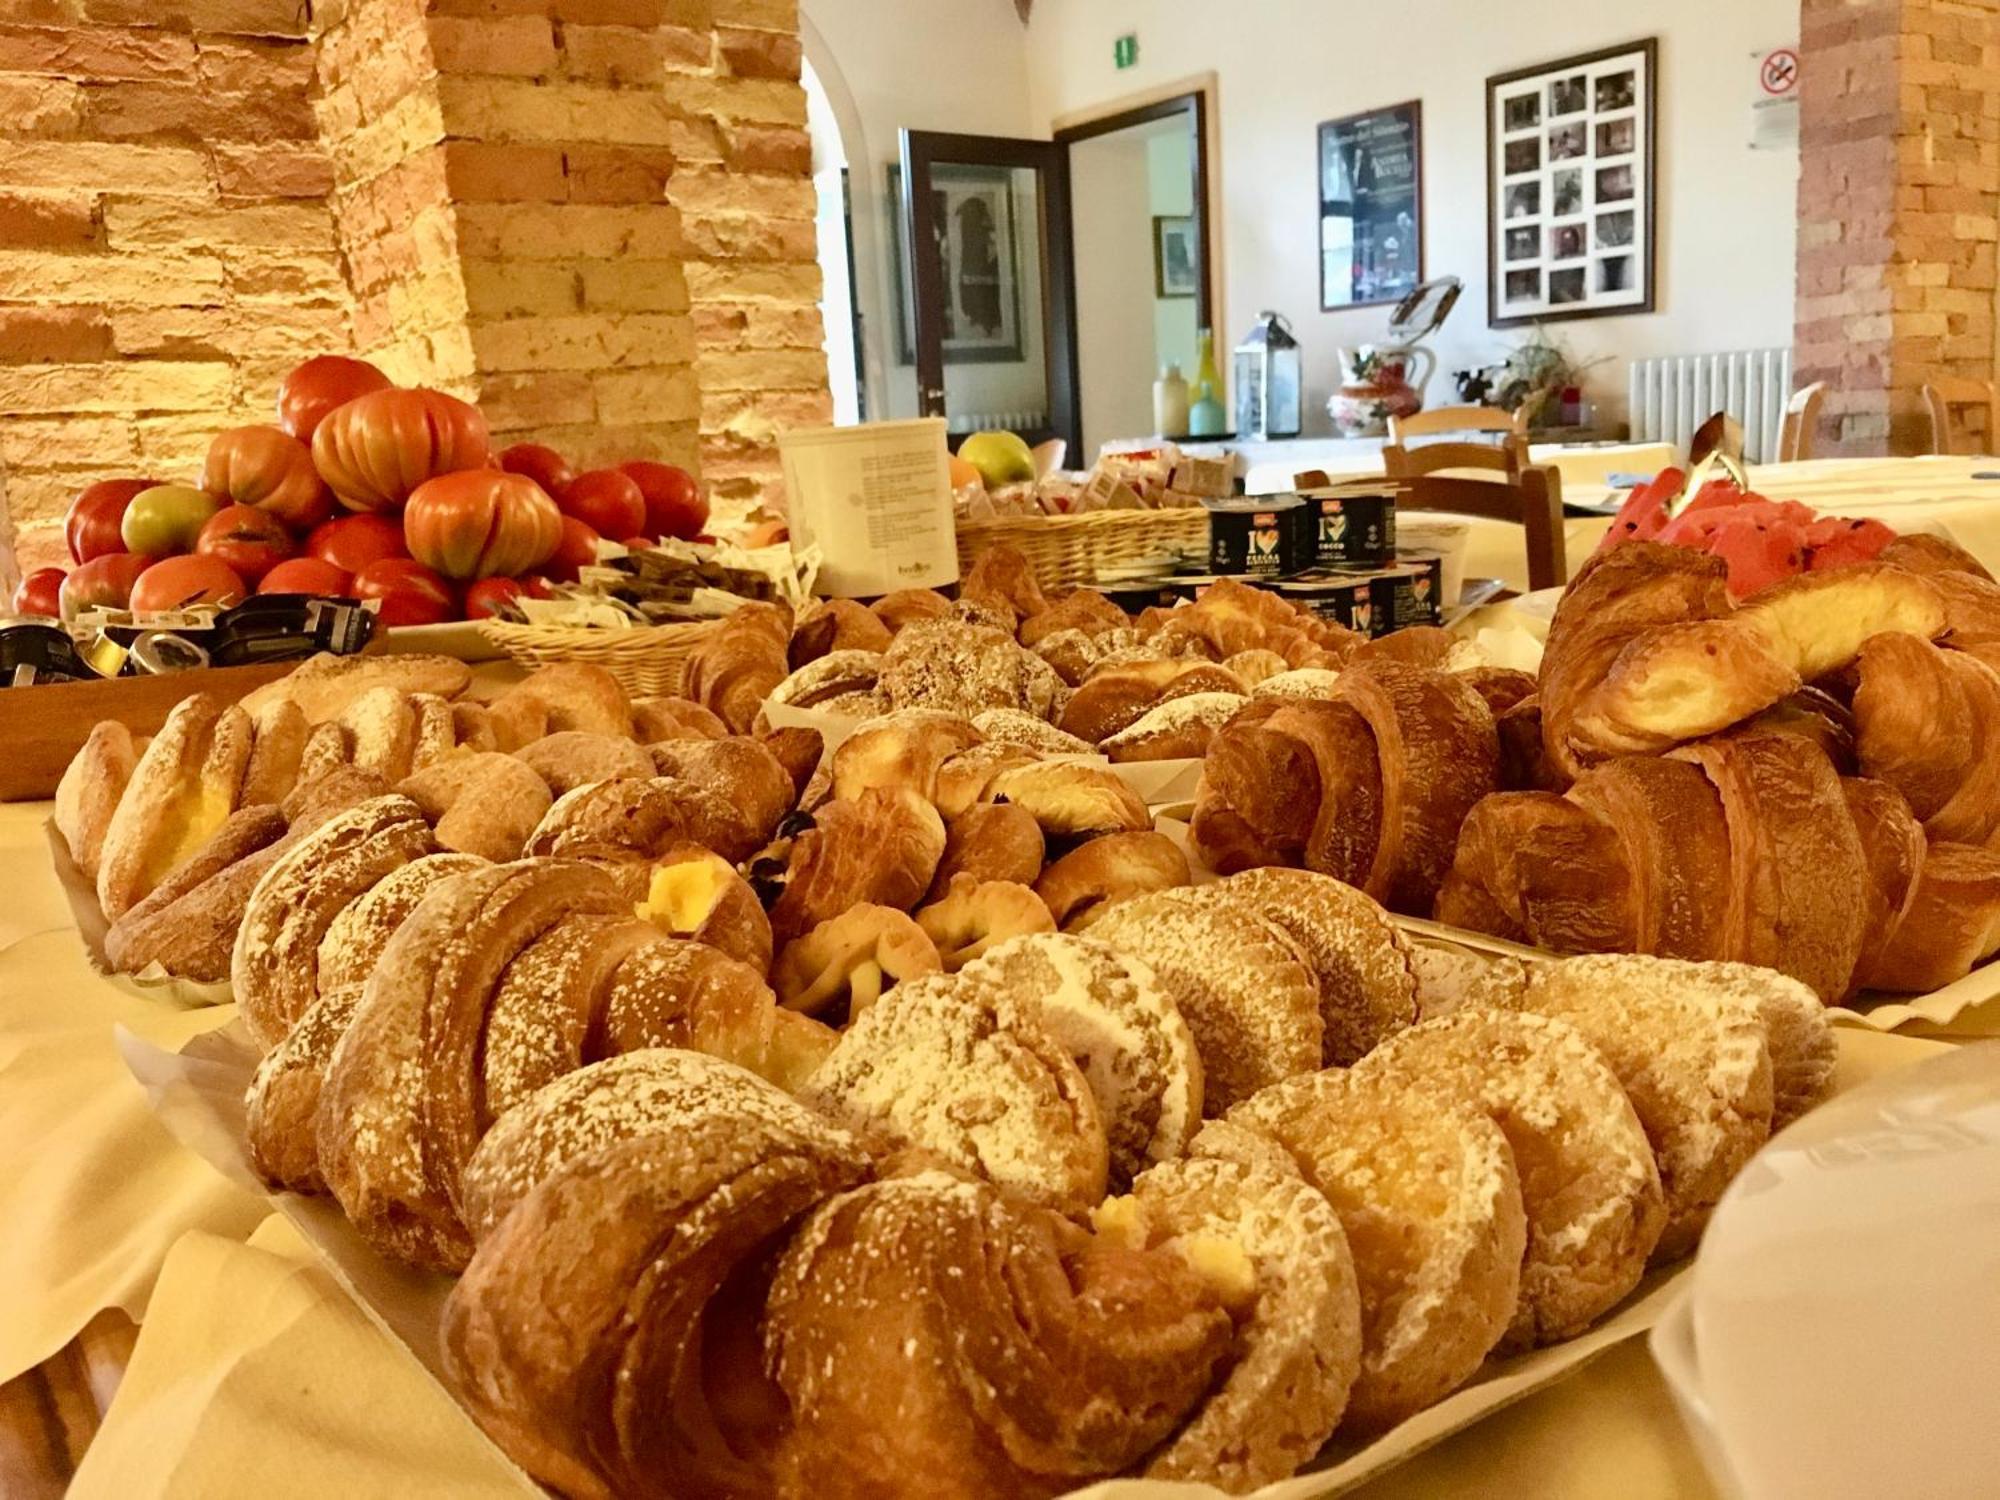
x,y
1570,187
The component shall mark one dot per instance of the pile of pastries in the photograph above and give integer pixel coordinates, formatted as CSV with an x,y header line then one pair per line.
x,y
1154,686
1807,781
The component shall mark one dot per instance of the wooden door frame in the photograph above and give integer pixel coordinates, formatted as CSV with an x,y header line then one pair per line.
x,y
1054,245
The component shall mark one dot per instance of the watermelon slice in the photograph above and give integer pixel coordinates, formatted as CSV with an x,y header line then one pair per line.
x,y
1841,542
1644,514
1759,550
1692,527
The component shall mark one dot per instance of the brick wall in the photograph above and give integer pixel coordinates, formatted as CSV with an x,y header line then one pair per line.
x,y
1899,188
593,216
166,249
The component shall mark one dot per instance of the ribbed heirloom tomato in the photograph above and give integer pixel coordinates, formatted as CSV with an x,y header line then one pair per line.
x,y
271,470
378,448
318,386
480,523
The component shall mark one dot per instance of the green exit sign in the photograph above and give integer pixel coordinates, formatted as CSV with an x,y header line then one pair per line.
x,y
1125,51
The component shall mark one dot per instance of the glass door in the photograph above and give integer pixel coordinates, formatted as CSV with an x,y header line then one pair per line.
x,y
987,220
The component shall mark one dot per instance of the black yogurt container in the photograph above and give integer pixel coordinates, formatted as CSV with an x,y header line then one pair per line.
x,y
1257,538
1348,530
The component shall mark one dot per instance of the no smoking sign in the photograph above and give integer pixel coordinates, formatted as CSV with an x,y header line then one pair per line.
x,y
1778,71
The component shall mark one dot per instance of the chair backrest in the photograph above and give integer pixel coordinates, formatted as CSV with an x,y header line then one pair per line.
x,y
1507,456
1532,500
1801,424
1942,398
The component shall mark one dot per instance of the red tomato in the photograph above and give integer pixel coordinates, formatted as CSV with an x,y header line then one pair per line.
x,y
40,593
608,501
540,463
578,549
485,597
674,503
250,540
91,528
103,582
265,467
177,582
480,522
411,593
307,575
537,586
378,448
351,543
319,385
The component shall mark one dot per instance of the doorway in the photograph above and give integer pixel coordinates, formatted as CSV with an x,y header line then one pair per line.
x,y
1138,181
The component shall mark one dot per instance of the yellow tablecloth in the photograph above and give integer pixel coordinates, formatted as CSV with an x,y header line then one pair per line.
x,y
1910,494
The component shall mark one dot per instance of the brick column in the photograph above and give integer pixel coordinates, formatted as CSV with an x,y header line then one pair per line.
x,y
1899,188
165,246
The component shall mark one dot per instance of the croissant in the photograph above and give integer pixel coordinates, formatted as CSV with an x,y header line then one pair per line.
x,y
1928,723
1748,848
1377,781
738,662
883,848
1646,651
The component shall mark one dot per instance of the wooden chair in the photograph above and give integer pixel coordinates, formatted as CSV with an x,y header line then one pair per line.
x,y
1530,497
1509,454
1945,397
1801,424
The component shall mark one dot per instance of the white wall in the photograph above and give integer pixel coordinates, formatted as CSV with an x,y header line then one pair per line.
x,y
1726,221
1109,190
1170,177
956,65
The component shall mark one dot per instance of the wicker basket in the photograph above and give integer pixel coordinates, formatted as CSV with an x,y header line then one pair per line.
x,y
1067,550
646,659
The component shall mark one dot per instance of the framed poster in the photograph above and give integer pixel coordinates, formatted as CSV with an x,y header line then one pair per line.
x,y
1371,234
1569,187
1174,256
980,253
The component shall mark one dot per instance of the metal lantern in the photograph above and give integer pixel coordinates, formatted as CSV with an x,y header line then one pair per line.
x,y
1267,380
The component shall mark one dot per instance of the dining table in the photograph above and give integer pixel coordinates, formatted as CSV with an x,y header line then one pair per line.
x,y
255,1373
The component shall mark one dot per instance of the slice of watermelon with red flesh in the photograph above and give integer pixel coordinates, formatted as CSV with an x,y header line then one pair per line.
x,y
1843,541
1759,551
1644,513
1692,527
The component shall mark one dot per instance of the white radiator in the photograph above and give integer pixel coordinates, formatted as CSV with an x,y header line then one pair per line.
x,y
1673,395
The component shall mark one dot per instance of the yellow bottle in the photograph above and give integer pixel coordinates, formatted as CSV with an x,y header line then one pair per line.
x,y
1206,416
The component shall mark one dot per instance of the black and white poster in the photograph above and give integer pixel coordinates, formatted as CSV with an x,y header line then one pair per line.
x,y
1371,242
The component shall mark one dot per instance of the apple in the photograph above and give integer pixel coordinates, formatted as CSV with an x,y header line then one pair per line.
x,y
484,598
577,549
178,582
608,501
307,575
411,593
103,582
541,463
351,543
674,503
250,540
166,519
319,385
40,593
91,527
1000,457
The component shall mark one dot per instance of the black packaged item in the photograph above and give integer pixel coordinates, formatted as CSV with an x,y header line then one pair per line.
x,y
1260,537
32,653
277,627
1406,593
1343,530
1347,599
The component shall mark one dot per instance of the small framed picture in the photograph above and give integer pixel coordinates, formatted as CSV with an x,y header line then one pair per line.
x,y
1571,162
1371,206
1175,253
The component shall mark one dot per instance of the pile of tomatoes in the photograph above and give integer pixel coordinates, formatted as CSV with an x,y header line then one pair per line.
x,y
365,490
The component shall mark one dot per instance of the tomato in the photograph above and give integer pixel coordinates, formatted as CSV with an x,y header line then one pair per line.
x,y
166,519
608,501
307,575
40,593
250,540
103,582
578,549
674,503
319,385
91,527
485,597
177,582
351,543
540,463
378,448
411,593
481,522
267,468
537,586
